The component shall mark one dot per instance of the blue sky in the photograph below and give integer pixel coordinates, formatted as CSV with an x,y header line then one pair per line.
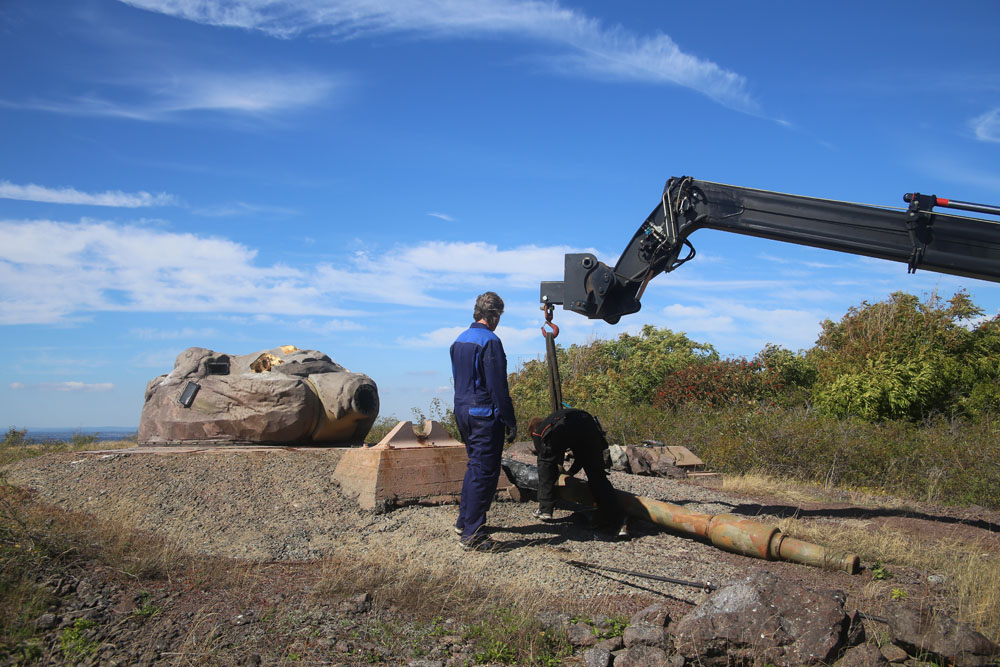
x,y
348,176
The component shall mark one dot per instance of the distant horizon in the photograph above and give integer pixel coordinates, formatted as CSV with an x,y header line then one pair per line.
x,y
75,428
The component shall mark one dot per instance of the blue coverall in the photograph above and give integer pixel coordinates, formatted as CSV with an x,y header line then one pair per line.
x,y
482,409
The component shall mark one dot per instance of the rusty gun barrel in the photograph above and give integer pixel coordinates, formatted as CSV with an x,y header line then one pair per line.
x,y
726,531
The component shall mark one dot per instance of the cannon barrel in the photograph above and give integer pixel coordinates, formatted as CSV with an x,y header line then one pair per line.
x,y
725,531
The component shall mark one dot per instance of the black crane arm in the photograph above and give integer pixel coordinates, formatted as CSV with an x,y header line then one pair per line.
x,y
917,236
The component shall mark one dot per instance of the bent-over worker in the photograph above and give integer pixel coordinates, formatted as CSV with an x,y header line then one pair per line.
x,y
581,433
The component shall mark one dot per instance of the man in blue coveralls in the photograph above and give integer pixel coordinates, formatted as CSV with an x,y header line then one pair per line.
x,y
483,413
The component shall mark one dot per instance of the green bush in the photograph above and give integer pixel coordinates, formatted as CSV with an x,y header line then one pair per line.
x,y
15,437
903,358
626,371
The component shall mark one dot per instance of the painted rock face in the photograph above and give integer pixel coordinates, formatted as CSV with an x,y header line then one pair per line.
x,y
279,396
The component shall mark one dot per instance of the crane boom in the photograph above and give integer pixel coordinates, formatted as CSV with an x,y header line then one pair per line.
x,y
917,236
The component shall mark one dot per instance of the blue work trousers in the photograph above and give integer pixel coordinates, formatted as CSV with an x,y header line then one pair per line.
x,y
483,438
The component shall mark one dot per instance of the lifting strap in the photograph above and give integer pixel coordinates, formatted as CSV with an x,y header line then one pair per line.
x,y
555,383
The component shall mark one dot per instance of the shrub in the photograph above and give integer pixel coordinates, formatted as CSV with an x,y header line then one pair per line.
x,y
896,359
623,372
15,437
949,461
717,383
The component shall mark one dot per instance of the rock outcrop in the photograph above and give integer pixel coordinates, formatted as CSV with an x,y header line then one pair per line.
x,y
764,619
279,396
933,635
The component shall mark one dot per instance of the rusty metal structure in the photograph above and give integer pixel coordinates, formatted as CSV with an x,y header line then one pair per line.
x,y
725,531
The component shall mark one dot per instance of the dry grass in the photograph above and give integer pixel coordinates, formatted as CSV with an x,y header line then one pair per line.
x,y
11,452
499,619
66,536
426,592
40,543
39,539
760,483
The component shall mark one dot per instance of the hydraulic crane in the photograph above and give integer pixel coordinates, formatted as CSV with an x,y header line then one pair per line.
x,y
918,236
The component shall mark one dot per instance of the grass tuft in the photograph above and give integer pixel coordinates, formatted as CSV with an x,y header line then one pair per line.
x,y
501,621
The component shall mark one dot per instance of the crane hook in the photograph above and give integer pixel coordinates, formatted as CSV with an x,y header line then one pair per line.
x,y
548,308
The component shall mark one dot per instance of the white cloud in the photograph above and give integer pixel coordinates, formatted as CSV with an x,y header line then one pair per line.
x,y
698,319
442,216
169,98
16,385
786,260
328,326
511,337
734,325
586,46
416,275
172,334
116,198
51,270
76,386
987,126
55,272
438,338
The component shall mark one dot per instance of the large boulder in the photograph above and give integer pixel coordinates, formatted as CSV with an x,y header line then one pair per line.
x,y
764,619
279,396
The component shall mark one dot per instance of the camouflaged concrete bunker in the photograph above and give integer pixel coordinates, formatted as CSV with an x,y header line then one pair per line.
x,y
280,396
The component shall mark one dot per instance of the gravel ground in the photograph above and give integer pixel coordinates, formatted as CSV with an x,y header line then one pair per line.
x,y
283,505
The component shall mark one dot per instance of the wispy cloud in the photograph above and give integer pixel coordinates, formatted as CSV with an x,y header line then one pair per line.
x,y
66,386
584,45
806,263
513,338
328,326
243,208
50,271
172,334
115,198
56,272
442,216
723,320
429,273
149,98
987,126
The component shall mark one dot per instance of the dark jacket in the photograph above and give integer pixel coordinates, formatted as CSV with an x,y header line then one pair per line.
x,y
572,429
479,366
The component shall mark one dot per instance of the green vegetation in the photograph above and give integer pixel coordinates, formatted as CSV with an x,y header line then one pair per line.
x,y
510,636
906,359
74,643
900,396
880,571
146,609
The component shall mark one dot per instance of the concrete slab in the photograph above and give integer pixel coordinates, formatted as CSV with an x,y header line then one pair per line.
x,y
406,467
